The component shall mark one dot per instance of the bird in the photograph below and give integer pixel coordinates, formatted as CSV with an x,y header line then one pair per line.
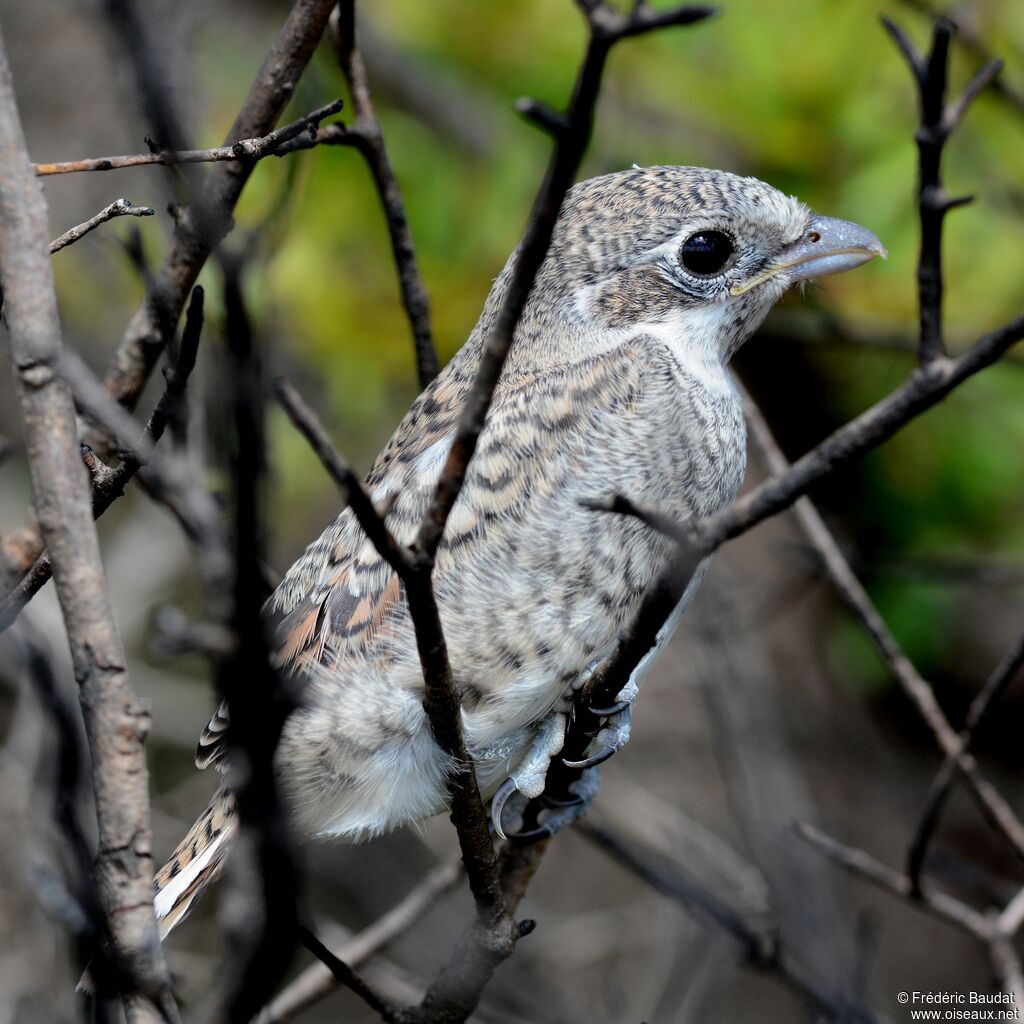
x,y
617,381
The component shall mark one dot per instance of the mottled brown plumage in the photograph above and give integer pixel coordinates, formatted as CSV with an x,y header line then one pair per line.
x,y
616,382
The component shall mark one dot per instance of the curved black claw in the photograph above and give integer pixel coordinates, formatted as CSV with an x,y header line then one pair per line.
x,y
498,801
615,709
591,762
532,834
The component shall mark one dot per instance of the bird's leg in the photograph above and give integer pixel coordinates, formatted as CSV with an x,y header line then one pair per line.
x,y
572,781
566,789
530,775
614,734
550,813
617,717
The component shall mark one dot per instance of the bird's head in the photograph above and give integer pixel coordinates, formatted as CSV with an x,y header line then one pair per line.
x,y
699,252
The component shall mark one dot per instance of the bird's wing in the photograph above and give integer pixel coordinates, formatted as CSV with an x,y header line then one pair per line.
x,y
340,591
341,599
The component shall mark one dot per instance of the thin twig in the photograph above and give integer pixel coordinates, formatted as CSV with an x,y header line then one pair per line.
x,y
649,515
199,227
116,722
1007,965
344,975
175,634
318,981
1012,916
759,942
856,598
863,865
244,150
167,476
1001,677
937,121
264,939
110,485
151,60
974,45
118,208
356,498
367,136
924,388
440,702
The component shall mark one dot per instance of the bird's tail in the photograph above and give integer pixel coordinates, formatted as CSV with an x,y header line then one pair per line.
x,y
196,862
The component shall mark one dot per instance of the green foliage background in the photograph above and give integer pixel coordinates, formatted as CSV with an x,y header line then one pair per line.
x,y
811,97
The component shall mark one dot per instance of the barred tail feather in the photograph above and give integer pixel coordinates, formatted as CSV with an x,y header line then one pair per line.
x,y
195,863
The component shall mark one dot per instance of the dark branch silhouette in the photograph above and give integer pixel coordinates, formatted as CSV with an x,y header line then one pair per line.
x,y
116,722
366,135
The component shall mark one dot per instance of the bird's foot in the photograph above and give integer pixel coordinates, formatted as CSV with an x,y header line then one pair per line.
x,y
614,735
561,805
531,773
554,814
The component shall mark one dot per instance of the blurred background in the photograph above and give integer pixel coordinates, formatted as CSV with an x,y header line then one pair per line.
x,y
770,706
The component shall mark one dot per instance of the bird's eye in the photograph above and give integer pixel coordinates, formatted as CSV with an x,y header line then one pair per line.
x,y
706,252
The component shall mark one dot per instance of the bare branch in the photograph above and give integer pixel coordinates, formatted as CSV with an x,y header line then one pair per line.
x,y
356,498
759,942
917,689
606,27
906,47
441,703
201,225
264,937
681,533
1002,675
167,477
175,634
367,136
318,981
937,121
1012,916
150,60
1007,965
931,138
344,975
986,928
863,865
244,150
924,388
116,722
644,19
118,208
980,81
974,45
109,484
542,115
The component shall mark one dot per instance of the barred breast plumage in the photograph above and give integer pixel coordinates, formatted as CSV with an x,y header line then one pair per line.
x,y
616,382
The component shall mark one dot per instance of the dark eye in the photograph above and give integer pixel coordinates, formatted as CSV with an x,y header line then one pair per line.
x,y
705,252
